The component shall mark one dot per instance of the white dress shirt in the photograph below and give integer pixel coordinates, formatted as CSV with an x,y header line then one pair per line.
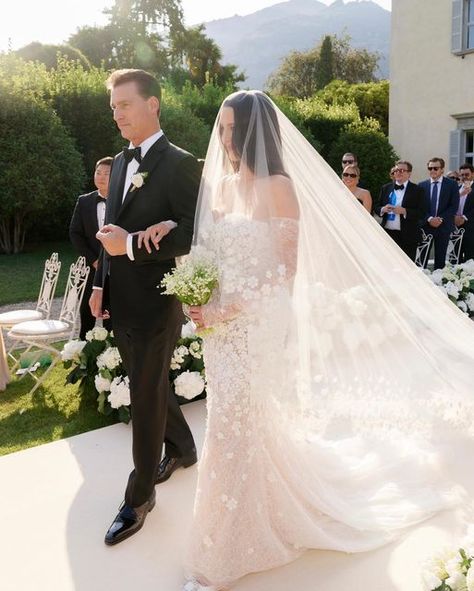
x,y
100,212
395,223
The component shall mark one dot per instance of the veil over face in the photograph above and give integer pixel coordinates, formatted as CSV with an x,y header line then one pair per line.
x,y
363,337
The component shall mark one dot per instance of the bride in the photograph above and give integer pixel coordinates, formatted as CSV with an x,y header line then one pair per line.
x,y
337,373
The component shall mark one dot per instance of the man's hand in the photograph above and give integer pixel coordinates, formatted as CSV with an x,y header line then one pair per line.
x,y
435,222
114,239
400,210
465,190
459,220
95,304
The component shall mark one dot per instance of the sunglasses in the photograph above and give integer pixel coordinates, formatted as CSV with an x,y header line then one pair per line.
x,y
434,167
348,161
351,174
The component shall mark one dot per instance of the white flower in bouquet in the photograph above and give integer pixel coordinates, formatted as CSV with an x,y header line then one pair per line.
x,y
195,350
448,274
189,384
102,384
188,330
98,333
119,392
452,290
109,359
72,350
430,580
192,281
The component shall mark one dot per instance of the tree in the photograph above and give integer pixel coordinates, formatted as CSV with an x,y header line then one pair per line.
x,y
301,74
96,44
371,98
49,54
41,172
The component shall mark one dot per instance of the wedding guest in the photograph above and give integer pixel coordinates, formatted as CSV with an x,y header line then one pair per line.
x,y
464,217
401,205
442,202
350,177
454,175
87,219
349,159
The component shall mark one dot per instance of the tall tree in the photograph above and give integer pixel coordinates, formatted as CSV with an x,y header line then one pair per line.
x,y
325,70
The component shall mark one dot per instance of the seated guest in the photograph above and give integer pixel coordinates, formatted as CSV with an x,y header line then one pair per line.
x,y
442,202
401,205
350,177
464,217
87,219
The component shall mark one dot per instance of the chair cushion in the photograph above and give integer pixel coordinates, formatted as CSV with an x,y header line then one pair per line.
x,y
16,316
39,328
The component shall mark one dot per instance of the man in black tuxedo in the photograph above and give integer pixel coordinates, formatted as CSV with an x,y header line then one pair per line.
x,y
87,219
464,217
402,207
442,202
152,182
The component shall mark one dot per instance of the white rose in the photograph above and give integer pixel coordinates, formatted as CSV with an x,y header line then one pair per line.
x,y
189,384
188,330
138,180
72,350
119,392
101,384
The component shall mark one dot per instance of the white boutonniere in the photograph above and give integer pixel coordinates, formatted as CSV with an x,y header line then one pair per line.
x,y
138,180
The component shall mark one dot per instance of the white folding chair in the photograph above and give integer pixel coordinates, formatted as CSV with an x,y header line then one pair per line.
x,y
454,246
52,266
423,249
40,335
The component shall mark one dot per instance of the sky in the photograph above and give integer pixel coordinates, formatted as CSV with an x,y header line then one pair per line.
x,y
52,21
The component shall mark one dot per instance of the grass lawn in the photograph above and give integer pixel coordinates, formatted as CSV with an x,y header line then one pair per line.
x,y
20,274
55,411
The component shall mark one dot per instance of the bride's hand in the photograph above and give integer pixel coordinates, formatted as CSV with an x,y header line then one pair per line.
x,y
195,313
153,234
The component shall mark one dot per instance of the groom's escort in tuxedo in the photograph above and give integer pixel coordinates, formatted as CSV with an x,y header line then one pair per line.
x,y
147,324
404,229
446,206
466,210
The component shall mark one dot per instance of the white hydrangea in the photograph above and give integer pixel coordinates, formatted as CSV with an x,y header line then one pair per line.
x,y
189,384
109,359
437,276
72,350
119,392
98,333
101,384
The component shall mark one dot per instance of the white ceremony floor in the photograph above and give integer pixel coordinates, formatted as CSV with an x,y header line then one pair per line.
x,y
57,501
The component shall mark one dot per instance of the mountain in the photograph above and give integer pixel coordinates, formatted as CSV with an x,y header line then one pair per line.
x,y
257,42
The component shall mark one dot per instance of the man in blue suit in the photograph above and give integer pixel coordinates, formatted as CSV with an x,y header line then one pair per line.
x,y
442,202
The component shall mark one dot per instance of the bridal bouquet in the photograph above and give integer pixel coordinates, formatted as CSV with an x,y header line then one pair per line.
x,y
192,282
451,570
457,282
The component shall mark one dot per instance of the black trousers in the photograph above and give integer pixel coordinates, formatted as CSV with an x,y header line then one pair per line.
x,y
407,244
156,415
87,320
440,241
467,247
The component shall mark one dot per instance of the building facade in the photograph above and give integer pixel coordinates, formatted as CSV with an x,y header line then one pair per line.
x,y
432,82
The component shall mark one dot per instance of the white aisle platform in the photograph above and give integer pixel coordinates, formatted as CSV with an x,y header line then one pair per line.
x,y
57,501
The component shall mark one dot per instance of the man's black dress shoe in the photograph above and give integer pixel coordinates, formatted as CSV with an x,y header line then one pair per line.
x,y
168,465
128,521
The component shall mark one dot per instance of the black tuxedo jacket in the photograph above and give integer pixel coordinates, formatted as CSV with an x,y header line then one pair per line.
x,y
468,211
415,204
169,192
448,203
83,227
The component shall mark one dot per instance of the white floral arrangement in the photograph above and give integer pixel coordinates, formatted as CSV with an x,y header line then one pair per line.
x,y
457,282
450,569
96,364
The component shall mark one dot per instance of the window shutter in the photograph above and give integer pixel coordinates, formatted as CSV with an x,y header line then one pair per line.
x,y
455,149
457,27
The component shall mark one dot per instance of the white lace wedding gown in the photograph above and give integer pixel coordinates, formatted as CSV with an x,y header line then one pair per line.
x,y
266,492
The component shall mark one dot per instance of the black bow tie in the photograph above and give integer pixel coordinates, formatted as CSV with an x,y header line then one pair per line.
x,y
398,187
101,199
130,153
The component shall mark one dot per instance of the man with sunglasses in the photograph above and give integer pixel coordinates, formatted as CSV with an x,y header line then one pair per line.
x,y
401,205
464,217
442,203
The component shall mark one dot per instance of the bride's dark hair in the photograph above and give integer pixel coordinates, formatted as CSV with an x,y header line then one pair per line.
x,y
248,107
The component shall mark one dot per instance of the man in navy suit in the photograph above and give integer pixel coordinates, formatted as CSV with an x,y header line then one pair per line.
x,y
465,215
442,203
87,219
